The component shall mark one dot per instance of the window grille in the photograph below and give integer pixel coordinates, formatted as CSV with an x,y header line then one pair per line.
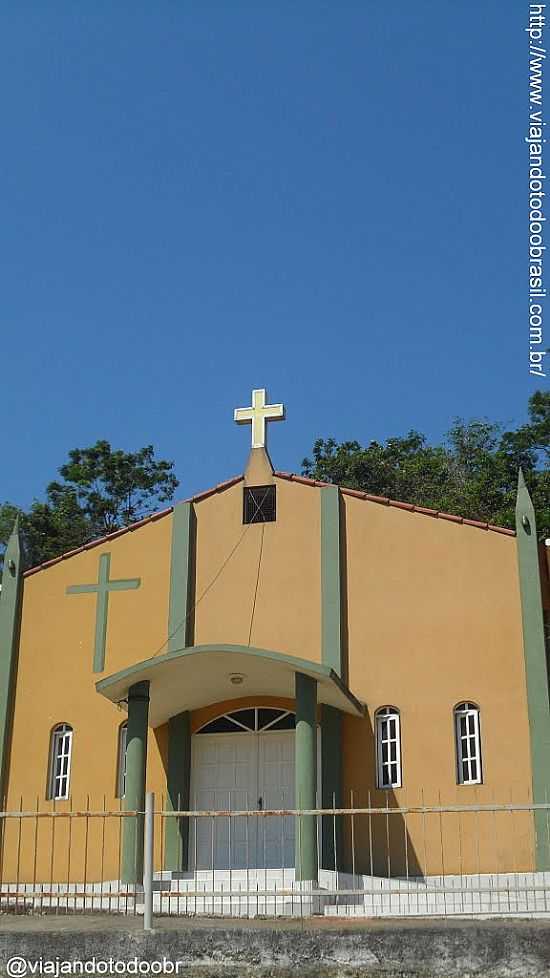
x,y
468,743
259,504
60,761
388,741
121,761
253,720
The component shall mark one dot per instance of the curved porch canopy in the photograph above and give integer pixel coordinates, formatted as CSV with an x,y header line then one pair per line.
x,y
187,679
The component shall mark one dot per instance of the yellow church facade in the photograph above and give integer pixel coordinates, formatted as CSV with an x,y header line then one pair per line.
x,y
278,643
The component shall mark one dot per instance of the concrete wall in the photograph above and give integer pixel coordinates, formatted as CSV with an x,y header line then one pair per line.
x,y
450,949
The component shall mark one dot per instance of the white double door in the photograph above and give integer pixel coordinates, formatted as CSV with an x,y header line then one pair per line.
x,y
242,772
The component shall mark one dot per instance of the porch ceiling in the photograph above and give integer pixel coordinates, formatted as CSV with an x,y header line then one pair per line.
x,y
190,678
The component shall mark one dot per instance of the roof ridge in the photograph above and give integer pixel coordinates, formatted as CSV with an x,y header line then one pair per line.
x,y
152,518
386,501
290,477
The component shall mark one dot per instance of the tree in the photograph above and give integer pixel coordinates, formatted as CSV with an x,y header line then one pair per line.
x,y
113,488
101,491
47,530
473,473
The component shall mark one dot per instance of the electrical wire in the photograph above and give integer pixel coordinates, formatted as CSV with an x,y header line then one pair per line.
x,y
204,592
257,583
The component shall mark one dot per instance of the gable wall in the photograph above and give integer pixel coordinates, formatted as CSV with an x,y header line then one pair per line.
x,y
284,612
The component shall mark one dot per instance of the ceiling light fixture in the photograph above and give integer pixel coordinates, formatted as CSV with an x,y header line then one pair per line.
x,y
237,678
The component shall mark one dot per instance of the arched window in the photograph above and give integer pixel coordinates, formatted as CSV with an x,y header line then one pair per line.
x,y
60,761
388,747
121,760
257,719
468,743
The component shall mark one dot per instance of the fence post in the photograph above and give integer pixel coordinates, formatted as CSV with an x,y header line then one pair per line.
x,y
148,845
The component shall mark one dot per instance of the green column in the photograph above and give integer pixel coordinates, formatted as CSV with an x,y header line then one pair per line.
x,y
179,770
10,612
306,776
331,785
180,631
331,607
181,577
536,672
134,799
331,655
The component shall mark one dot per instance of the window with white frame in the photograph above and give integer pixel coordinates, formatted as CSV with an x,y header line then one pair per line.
x,y
468,743
60,761
388,747
121,760
257,719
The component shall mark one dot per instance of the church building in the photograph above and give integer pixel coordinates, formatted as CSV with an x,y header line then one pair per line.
x,y
277,643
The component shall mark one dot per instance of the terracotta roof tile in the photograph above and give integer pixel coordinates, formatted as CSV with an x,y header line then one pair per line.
x,y
302,479
410,507
50,563
97,543
219,488
123,529
158,516
133,526
71,553
501,529
372,499
356,492
291,477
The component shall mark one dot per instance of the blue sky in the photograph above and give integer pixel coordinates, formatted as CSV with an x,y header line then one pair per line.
x,y
324,199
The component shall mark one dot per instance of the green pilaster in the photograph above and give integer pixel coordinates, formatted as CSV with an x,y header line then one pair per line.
x,y
178,772
181,572
10,612
134,799
178,776
331,655
331,785
535,664
331,640
306,776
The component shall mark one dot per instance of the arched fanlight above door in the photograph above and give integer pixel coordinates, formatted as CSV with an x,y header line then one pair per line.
x,y
257,719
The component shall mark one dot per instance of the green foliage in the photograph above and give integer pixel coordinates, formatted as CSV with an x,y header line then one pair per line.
x,y
113,488
101,491
473,474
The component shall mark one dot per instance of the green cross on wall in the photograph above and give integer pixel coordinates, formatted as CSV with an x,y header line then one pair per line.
x,y
102,588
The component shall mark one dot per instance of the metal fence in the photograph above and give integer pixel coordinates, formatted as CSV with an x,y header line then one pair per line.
x,y
420,860
64,860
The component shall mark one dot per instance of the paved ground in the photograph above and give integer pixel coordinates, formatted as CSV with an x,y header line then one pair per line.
x,y
109,923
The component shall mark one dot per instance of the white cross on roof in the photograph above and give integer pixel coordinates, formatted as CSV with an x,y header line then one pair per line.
x,y
258,414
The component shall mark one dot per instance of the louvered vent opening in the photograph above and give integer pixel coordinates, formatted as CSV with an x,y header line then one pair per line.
x,y
259,504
